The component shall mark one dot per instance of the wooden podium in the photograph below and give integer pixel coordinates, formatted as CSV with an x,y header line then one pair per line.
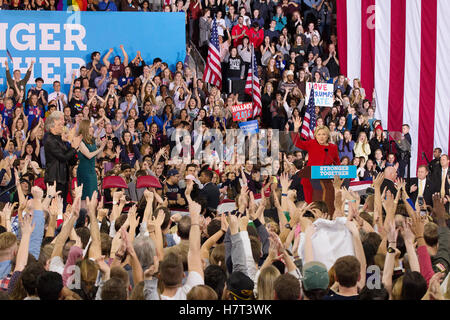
x,y
323,189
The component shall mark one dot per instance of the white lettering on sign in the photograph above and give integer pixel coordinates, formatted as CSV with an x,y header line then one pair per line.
x,y
69,62
3,28
47,70
77,38
29,40
46,37
23,36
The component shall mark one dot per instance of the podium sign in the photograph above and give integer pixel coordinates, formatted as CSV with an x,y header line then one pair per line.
x,y
328,172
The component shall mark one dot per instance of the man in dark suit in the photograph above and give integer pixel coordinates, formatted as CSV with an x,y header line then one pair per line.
x,y
296,180
390,175
437,158
210,191
440,177
58,155
421,186
404,150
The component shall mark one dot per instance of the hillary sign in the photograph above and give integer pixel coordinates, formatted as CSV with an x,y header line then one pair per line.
x,y
328,172
241,112
323,93
60,42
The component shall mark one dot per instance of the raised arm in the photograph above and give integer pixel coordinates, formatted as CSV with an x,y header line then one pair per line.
x,y
125,55
95,249
409,238
106,58
66,230
194,254
357,244
208,244
154,228
38,220
388,269
138,273
26,228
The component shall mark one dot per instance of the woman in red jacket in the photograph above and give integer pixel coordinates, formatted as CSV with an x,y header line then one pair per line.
x,y
320,151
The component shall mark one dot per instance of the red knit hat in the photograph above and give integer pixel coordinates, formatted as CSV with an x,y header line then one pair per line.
x,y
379,127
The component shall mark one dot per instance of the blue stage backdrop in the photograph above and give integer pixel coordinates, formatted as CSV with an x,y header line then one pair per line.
x,y
61,42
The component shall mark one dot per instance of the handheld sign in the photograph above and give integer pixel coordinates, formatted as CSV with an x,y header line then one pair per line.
x,y
241,112
249,127
323,93
328,172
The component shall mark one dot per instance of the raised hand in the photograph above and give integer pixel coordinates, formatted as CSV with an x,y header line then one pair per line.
x,y
337,182
223,223
7,210
37,193
152,270
78,190
234,225
26,226
117,196
91,203
378,181
297,123
407,233
438,206
149,196
132,217
351,225
417,225
194,211
285,182
243,222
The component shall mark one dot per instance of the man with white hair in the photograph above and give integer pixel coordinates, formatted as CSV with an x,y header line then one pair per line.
x,y
58,154
390,175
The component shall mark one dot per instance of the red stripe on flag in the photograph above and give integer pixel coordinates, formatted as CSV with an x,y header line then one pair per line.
x,y
427,78
397,67
341,12
368,46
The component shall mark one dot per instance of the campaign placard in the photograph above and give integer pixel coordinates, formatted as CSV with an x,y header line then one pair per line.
x,y
323,93
241,112
328,172
249,127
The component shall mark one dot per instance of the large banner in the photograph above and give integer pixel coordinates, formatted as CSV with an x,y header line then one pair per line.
x,y
61,42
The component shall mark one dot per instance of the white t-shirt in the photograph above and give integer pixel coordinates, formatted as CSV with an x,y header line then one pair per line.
x,y
56,265
220,23
193,279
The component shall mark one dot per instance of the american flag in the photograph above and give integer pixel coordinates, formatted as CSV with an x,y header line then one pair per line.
x,y
213,69
9,55
252,86
401,55
309,122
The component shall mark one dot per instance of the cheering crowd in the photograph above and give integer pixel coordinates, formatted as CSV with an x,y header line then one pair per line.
x,y
65,234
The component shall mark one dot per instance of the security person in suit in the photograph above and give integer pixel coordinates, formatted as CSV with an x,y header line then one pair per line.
x,y
440,177
421,186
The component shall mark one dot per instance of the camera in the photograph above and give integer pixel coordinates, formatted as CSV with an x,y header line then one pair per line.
x,y
420,201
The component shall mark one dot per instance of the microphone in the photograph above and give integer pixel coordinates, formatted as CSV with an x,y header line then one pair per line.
x,y
328,156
